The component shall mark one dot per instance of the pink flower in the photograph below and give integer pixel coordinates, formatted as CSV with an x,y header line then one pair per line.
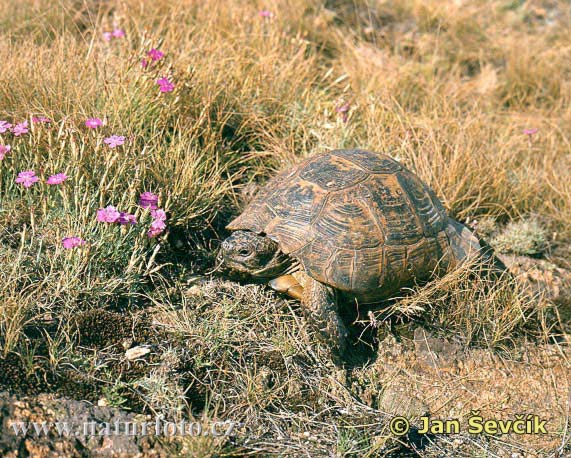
x,y
344,111
41,119
155,54
93,123
126,218
20,129
72,242
107,36
58,178
531,131
108,215
27,178
148,200
27,173
114,140
158,224
266,14
4,126
158,214
4,149
118,33
157,227
165,85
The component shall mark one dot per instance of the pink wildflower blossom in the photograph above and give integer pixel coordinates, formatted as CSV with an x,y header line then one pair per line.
x,y
531,131
165,85
155,54
4,126
107,36
72,242
144,63
266,14
41,119
158,224
108,215
114,141
157,227
58,178
20,129
343,110
4,149
148,200
158,215
118,33
126,218
27,178
93,123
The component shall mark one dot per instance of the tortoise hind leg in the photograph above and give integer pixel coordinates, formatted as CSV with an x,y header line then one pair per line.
x,y
321,310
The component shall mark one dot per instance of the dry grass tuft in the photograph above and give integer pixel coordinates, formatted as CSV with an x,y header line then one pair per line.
x,y
524,238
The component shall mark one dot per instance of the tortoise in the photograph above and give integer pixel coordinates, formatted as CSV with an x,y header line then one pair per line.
x,y
345,225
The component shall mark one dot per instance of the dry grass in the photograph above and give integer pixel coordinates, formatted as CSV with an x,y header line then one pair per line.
x,y
445,86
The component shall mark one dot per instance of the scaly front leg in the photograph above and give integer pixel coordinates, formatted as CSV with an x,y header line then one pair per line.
x,y
321,310
287,284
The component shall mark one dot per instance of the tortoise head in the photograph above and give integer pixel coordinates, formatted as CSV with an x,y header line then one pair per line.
x,y
256,255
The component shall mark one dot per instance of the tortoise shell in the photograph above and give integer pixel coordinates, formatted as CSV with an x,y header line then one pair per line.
x,y
355,220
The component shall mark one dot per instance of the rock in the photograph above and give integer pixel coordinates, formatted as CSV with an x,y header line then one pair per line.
x,y
46,408
397,400
435,352
193,291
542,276
137,352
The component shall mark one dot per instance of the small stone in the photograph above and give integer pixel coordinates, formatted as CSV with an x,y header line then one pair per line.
x,y
137,352
193,291
102,402
435,352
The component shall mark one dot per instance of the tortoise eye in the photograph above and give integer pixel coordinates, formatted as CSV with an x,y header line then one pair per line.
x,y
244,252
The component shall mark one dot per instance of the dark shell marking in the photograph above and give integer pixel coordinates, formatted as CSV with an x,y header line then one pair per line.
x,y
356,220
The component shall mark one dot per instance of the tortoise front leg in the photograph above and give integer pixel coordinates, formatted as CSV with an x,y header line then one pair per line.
x,y
287,284
321,310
